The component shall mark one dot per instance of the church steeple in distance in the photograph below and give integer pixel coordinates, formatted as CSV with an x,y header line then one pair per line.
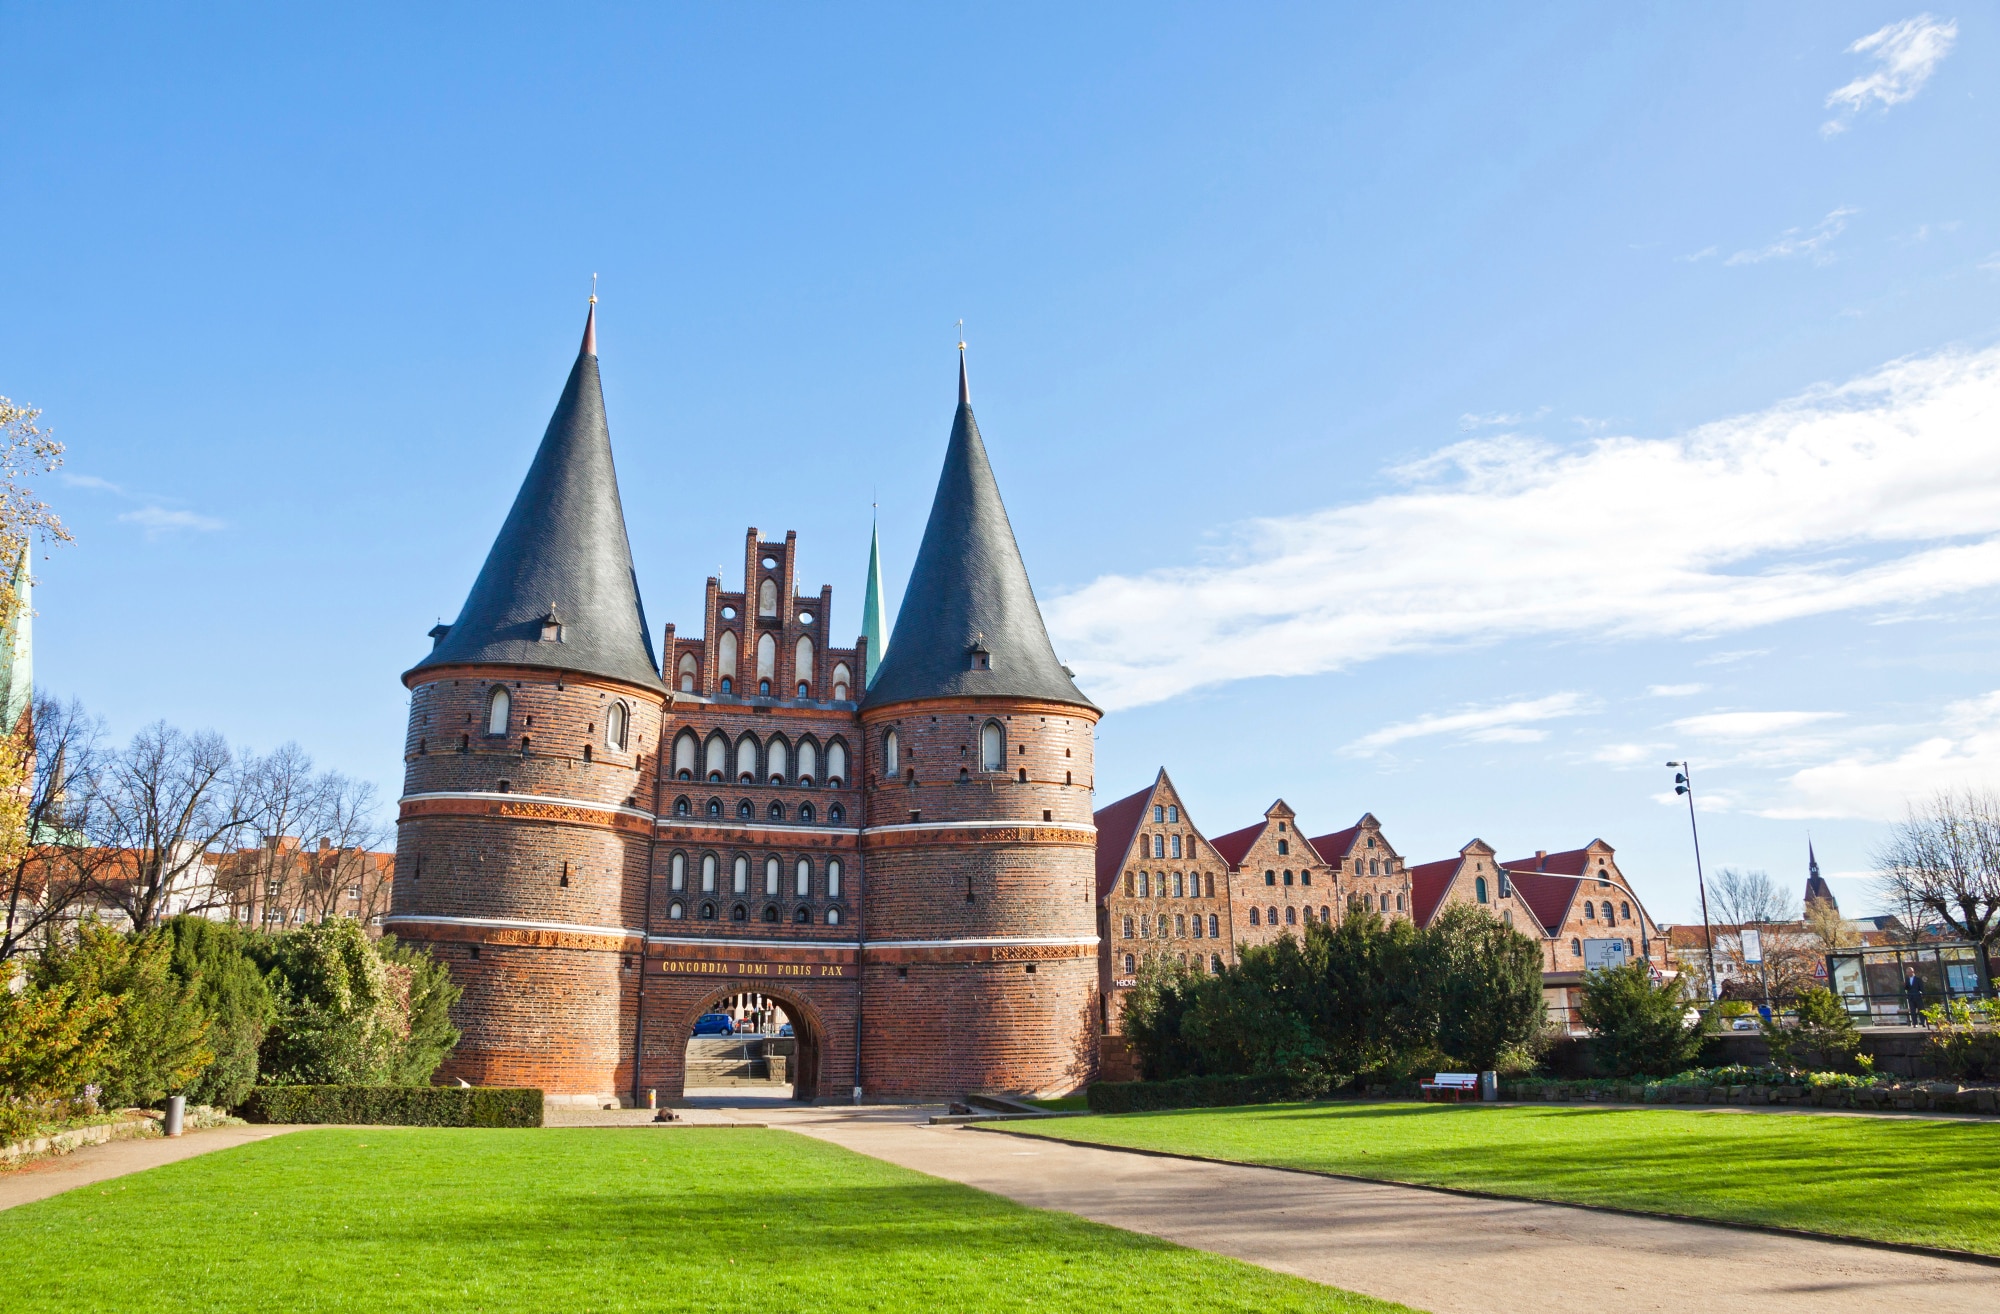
x,y
968,624
1816,886
873,627
558,590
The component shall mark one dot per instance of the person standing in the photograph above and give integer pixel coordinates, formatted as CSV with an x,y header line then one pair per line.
x,y
1913,991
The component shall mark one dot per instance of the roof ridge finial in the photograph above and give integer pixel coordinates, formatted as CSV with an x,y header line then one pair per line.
x,y
964,388
590,321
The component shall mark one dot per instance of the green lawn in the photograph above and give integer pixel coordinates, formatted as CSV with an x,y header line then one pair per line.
x,y
586,1219
1063,1104
1926,1182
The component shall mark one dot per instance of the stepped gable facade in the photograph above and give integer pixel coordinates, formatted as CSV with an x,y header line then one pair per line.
x,y
601,842
1370,871
1276,878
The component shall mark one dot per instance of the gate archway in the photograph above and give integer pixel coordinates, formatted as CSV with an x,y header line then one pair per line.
x,y
762,1010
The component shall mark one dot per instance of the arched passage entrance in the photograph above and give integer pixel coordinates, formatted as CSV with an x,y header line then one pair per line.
x,y
773,1041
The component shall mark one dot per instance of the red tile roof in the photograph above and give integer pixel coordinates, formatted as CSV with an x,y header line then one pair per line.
x,y
1428,884
1569,863
1116,824
1236,843
1548,896
1330,848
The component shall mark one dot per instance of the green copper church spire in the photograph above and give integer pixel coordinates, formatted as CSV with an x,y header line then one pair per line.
x,y
872,625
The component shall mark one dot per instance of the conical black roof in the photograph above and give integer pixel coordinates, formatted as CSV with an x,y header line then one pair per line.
x,y
562,550
969,625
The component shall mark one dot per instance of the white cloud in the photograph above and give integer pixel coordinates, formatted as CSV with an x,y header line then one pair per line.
x,y
1749,725
1500,418
1505,723
1881,492
158,520
75,480
1674,690
1695,257
1625,754
1962,750
1905,55
1800,242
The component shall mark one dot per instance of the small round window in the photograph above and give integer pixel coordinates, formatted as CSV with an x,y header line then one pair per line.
x,y
805,618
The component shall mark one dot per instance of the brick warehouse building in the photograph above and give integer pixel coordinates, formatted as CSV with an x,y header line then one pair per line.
x,y
900,851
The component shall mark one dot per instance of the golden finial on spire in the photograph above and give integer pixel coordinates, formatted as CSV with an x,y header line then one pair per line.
x,y
593,289
961,335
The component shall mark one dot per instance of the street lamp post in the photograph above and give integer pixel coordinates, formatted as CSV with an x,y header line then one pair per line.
x,y
1684,784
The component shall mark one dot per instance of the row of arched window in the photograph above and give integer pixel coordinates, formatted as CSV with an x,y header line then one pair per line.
x,y
1304,878
705,873
1610,918
727,656
707,911
805,814
992,751
1189,960
1166,846
775,761
1270,916
617,718
1164,885
1182,925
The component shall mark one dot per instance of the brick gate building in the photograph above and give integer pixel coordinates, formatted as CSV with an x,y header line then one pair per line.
x,y
602,840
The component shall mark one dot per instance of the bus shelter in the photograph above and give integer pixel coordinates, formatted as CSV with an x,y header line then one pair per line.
x,y
1874,981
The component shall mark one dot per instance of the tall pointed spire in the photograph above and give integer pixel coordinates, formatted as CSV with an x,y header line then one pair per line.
x,y
873,626
1816,886
558,590
969,624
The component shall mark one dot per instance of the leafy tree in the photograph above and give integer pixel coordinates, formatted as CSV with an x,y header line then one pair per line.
x,y
1641,1029
429,996
1486,981
52,1043
210,957
159,1035
1258,1016
1154,1009
350,1013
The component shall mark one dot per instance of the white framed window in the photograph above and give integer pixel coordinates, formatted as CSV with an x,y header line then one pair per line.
x,y
708,873
690,672
739,875
725,653
717,764
841,679
833,916
767,657
498,704
771,870
674,911
677,872
746,759
992,747
802,665
833,878
686,749
890,765
836,763
767,598
808,762
615,725
803,879
777,761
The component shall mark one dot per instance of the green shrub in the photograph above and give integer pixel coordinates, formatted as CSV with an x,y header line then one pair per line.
x,y
1485,982
52,1043
350,1012
1821,1035
210,956
1194,1093
1640,1029
1154,1010
1963,1039
159,1037
397,1106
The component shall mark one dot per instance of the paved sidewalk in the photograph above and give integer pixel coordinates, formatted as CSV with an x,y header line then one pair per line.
x,y
41,1178
1444,1253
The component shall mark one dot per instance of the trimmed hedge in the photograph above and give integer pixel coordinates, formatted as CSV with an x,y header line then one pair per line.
x,y
397,1106
1191,1093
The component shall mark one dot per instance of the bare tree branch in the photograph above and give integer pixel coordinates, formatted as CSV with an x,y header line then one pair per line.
x,y
1943,862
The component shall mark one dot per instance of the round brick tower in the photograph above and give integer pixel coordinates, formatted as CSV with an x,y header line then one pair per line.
x,y
522,838
979,964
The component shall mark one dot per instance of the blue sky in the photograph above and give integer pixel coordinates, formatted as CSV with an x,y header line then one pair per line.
x,y
1450,415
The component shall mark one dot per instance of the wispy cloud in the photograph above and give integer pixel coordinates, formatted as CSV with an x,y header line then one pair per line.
x,y
1500,419
158,520
1625,754
1749,725
1880,492
1962,749
1905,55
1695,257
1794,242
1674,690
1504,723
75,480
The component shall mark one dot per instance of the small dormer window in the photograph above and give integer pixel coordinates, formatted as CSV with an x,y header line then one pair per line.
x,y
552,627
977,657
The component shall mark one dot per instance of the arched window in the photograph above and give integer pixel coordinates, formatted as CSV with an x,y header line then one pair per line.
x,y
805,814
1174,813
767,598
708,877
686,749
1507,916
1610,917
803,915
833,916
836,764
746,759
767,662
889,754
1291,916
1253,917
802,879
1214,926
777,761
1284,848
715,807
717,764
1145,926
1589,911
1288,876
1215,963
1374,867
1575,945
1178,887
677,872
1271,916
776,811
726,659
1208,884
739,875
674,911
808,763
741,914
690,671
836,814
1176,850
771,873
1128,928
841,679
770,912
1385,903
1180,924
1145,885
992,747
708,912
1399,903
615,718
1197,926
1479,888
1130,967
802,665
498,704
1625,910
833,878
1159,846
744,810
1325,914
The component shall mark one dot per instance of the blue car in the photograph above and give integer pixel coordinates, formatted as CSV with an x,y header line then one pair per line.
x,y
785,1030
714,1024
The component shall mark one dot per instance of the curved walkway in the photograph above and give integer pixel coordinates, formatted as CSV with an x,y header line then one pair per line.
x,y
1427,1249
